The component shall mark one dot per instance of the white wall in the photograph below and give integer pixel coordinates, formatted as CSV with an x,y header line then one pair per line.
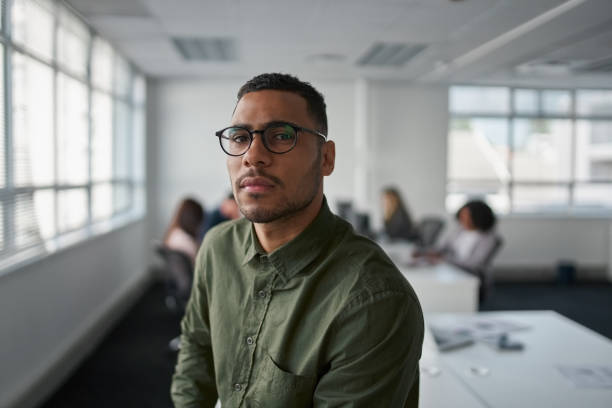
x,y
53,311
407,125
541,242
188,159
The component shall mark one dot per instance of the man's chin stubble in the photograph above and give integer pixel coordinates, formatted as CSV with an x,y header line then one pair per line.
x,y
266,215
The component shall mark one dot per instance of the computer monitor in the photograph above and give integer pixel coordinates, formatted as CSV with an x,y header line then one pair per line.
x,y
345,210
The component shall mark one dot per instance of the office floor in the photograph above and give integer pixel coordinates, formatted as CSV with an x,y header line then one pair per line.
x,y
132,366
587,303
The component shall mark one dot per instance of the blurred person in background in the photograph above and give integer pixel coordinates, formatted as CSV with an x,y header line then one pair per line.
x,y
398,223
227,210
469,246
183,233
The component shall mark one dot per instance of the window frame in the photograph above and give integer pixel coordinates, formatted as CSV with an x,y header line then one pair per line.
x,y
513,114
13,257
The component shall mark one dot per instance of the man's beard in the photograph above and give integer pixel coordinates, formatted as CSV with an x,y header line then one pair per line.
x,y
289,208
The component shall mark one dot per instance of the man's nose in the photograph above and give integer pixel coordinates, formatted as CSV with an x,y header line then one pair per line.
x,y
258,154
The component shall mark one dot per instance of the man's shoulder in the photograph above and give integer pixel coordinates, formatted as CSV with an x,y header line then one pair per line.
x,y
371,273
361,253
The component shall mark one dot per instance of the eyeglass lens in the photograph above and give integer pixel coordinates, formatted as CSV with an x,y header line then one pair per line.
x,y
277,138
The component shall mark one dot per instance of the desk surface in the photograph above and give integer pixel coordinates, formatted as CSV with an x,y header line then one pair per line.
x,y
443,273
527,378
443,288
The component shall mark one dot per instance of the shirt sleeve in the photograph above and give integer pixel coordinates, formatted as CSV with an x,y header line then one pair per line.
x,y
375,349
193,382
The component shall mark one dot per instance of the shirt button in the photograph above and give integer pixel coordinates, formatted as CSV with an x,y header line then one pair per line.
x,y
237,387
262,294
250,340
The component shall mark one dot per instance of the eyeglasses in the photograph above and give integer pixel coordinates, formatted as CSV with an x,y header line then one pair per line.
x,y
278,137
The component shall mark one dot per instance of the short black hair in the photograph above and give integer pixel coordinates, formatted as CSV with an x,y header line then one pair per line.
x,y
284,82
482,215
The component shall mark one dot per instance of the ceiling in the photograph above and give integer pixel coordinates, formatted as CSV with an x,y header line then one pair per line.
x,y
540,42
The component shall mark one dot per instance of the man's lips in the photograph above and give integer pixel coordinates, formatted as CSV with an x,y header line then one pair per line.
x,y
256,184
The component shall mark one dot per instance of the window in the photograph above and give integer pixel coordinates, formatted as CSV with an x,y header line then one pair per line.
x,y
72,153
33,158
530,150
32,26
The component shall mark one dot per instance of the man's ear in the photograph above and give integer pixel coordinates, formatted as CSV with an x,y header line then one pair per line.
x,y
328,157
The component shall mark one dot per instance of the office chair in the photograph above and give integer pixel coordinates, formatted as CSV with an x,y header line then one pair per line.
x,y
485,273
178,274
345,210
178,277
429,229
362,225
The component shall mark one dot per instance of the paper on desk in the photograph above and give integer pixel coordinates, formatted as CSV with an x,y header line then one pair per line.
x,y
476,327
588,376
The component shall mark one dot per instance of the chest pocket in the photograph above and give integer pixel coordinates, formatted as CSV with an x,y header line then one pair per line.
x,y
275,387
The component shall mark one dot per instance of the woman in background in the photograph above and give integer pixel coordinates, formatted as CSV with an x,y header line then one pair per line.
x,y
183,232
472,245
397,221
180,247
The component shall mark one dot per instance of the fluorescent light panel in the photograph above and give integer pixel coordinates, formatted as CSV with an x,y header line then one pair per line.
x,y
206,49
390,54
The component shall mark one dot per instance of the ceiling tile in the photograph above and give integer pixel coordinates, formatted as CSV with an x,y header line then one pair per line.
x,y
126,28
326,37
132,8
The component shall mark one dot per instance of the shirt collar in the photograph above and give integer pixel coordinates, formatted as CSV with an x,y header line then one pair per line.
x,y
296,254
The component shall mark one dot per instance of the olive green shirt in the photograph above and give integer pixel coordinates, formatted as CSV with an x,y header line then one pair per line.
x,y
326,320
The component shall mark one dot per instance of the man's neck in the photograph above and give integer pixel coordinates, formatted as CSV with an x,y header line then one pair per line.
x,y
275,234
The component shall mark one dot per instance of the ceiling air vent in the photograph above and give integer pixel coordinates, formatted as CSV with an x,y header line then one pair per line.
x,y
206,49
390,54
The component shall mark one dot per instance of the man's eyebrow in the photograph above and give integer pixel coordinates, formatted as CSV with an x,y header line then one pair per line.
x,y
242,125
265,125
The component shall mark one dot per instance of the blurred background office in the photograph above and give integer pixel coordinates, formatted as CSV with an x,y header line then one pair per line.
x,y
108,110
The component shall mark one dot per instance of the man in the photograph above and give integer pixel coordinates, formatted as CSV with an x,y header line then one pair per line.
x,y
227,210
290,308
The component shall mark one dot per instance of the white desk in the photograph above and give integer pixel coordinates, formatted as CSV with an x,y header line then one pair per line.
x,y
443,288
440,288
439,387
527,378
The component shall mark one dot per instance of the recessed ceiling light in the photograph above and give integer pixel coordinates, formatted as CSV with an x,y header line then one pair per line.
x,y
206,49
383,54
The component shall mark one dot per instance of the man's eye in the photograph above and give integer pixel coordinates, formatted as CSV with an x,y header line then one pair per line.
x,y
283,137
239,139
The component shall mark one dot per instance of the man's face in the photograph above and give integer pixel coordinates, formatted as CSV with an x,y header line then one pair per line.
x,y
270,186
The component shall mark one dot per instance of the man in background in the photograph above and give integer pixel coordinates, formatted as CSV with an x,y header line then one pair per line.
x,y
227,210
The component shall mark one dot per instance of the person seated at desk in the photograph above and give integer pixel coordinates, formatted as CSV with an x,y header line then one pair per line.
x,y
183,232
227,210
397,220
472,245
